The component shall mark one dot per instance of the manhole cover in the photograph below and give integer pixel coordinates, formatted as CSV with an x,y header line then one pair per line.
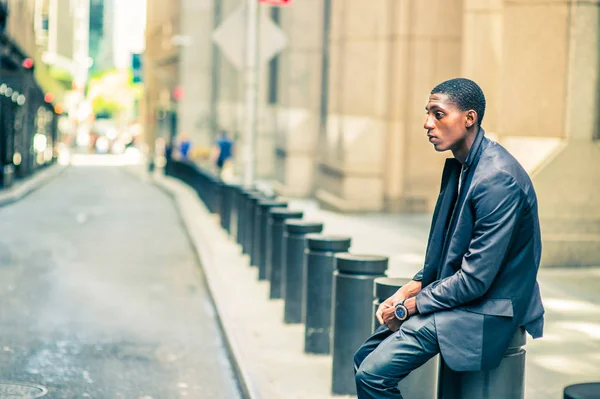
x,y
19,390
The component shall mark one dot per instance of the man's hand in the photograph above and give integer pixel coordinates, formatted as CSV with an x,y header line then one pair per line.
x,y
385,314
390,319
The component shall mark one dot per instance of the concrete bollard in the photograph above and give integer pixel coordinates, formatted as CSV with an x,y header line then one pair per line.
x,y
590,390
352,313
263,234
320,264
421,383
507,381
294,271
275,254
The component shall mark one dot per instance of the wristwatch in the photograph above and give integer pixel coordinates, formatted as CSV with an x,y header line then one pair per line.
x,y
401,312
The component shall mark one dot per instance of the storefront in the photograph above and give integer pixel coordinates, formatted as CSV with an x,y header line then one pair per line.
x,y
27,120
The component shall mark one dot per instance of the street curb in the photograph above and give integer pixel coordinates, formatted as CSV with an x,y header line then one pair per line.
x,y
22,189
187,202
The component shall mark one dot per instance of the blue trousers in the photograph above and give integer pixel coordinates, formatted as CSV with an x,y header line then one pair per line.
x,y
387,357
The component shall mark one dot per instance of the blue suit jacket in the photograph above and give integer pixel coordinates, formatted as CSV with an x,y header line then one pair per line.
x,y
480,273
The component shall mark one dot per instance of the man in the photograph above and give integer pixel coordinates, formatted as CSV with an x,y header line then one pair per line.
x,y
222,151
185,144
478,284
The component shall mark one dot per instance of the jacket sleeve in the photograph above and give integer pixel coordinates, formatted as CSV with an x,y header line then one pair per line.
x,y
498,202
418,276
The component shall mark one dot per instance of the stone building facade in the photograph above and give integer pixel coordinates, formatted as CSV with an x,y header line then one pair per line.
x,y
353,80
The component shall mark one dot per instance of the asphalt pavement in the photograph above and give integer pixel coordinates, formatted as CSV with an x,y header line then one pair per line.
x,y
102,295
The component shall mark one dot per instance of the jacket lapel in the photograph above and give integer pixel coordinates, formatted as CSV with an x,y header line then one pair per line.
x,y
441,217
444,215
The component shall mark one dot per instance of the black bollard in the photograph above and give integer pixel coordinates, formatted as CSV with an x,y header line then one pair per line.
x,y
253,201
294,271
218,188
236,217
422,382
352,313
320,264
245,216
264,234
507,381
258,234
248,222
240,210
275,254
589,390
228,191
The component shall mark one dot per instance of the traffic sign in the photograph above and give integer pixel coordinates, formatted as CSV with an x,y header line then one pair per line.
x,y
230,34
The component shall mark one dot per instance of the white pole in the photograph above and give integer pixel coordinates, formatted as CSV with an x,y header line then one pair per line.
x,y
251,89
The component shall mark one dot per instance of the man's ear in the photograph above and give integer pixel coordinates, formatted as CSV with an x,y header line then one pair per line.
x,y
471,118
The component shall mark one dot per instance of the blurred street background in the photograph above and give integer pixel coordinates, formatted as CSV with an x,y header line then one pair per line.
x,y
321,101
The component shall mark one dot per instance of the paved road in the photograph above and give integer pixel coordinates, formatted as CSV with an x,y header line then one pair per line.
x,y
102,296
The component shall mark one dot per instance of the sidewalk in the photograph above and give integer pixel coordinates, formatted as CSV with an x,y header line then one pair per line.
x,y
269,353
21,188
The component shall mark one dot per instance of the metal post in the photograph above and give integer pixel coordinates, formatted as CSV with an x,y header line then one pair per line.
x,y
294,243
251,88
275,257
264,235
352,294
320,263
422,382
507,381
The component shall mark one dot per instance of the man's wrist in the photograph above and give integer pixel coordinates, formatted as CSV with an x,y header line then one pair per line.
x,y
411,306
398,297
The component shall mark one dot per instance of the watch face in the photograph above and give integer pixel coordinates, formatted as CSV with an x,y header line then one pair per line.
x,y
401,312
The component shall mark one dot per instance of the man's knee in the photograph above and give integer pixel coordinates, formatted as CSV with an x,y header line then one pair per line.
x,y
367,381
360,355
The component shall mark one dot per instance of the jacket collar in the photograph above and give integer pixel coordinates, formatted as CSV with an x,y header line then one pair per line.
x,y
475,150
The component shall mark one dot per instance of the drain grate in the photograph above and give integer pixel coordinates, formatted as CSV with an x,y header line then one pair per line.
x,y
20,390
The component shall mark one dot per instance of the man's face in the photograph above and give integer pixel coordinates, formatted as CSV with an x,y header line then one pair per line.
x,y
445,123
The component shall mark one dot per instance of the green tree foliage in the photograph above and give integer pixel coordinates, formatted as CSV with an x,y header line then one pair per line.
x,y
62,76
112,91
106,107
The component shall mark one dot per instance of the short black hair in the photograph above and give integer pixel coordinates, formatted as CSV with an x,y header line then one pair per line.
x,y
465,93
